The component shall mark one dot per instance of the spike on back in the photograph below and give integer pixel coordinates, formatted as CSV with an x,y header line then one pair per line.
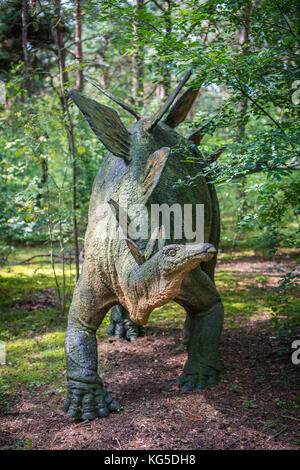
x,y
150,247
106,124
181,108
120,214
198,134
165,107
135,251
114,98
161,237
214,156
155,166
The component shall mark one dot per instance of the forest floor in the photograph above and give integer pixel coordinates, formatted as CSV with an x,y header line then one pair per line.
x,y
255,406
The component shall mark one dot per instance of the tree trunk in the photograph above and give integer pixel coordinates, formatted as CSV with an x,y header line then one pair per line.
x,y
78,35
43,180
28,82
69,126
163,89
105,68
60,43
243,107
137,60
167,79
243,40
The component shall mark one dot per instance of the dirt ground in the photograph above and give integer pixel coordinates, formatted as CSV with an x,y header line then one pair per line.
x,y
255,406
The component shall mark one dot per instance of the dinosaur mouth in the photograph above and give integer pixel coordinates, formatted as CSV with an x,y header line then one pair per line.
x,y
211,249
202,251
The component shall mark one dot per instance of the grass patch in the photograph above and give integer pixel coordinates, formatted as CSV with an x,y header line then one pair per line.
x,y
169,315
34,339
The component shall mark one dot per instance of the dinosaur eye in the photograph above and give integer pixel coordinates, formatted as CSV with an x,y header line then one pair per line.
x,y
172,253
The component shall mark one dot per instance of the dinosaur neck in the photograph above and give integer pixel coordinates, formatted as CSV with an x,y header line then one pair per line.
x,y
149,288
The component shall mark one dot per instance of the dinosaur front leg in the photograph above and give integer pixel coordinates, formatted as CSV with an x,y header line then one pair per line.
x,y
203,366
87,398
202,302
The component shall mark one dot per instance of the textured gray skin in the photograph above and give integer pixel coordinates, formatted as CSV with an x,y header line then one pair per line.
x,y
111,275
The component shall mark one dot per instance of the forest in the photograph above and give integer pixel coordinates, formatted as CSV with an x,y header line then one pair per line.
x,y
242,57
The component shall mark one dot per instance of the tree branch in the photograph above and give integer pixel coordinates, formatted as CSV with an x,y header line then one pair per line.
x,y
286,21
43,256
263,110
158,5
215,37
70,52
206,32
193,26
82,40
258,168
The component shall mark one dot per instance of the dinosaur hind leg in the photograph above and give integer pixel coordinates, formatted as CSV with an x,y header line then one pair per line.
x,y
121,326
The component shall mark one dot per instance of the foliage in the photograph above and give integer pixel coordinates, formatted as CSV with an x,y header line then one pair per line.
x,y
283,303
245,58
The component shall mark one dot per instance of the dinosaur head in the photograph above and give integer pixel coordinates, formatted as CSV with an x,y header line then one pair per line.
x,y
180,259
158,279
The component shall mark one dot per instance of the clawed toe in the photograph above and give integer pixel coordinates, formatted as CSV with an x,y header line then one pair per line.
x,y
89,402
198,381
188,386
112,404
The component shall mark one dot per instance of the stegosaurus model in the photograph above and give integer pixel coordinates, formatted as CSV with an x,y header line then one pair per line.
x,y
142,167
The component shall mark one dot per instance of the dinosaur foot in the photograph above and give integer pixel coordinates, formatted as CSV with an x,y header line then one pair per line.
x,y
125,330
183,346
204,377
89,401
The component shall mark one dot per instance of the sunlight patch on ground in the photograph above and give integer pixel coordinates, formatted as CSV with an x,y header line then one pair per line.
x,y
34,338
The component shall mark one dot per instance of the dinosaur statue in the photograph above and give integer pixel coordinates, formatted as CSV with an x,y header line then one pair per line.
x,y
147,270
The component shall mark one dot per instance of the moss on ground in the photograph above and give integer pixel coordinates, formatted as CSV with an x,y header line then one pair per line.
x,y
34,337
